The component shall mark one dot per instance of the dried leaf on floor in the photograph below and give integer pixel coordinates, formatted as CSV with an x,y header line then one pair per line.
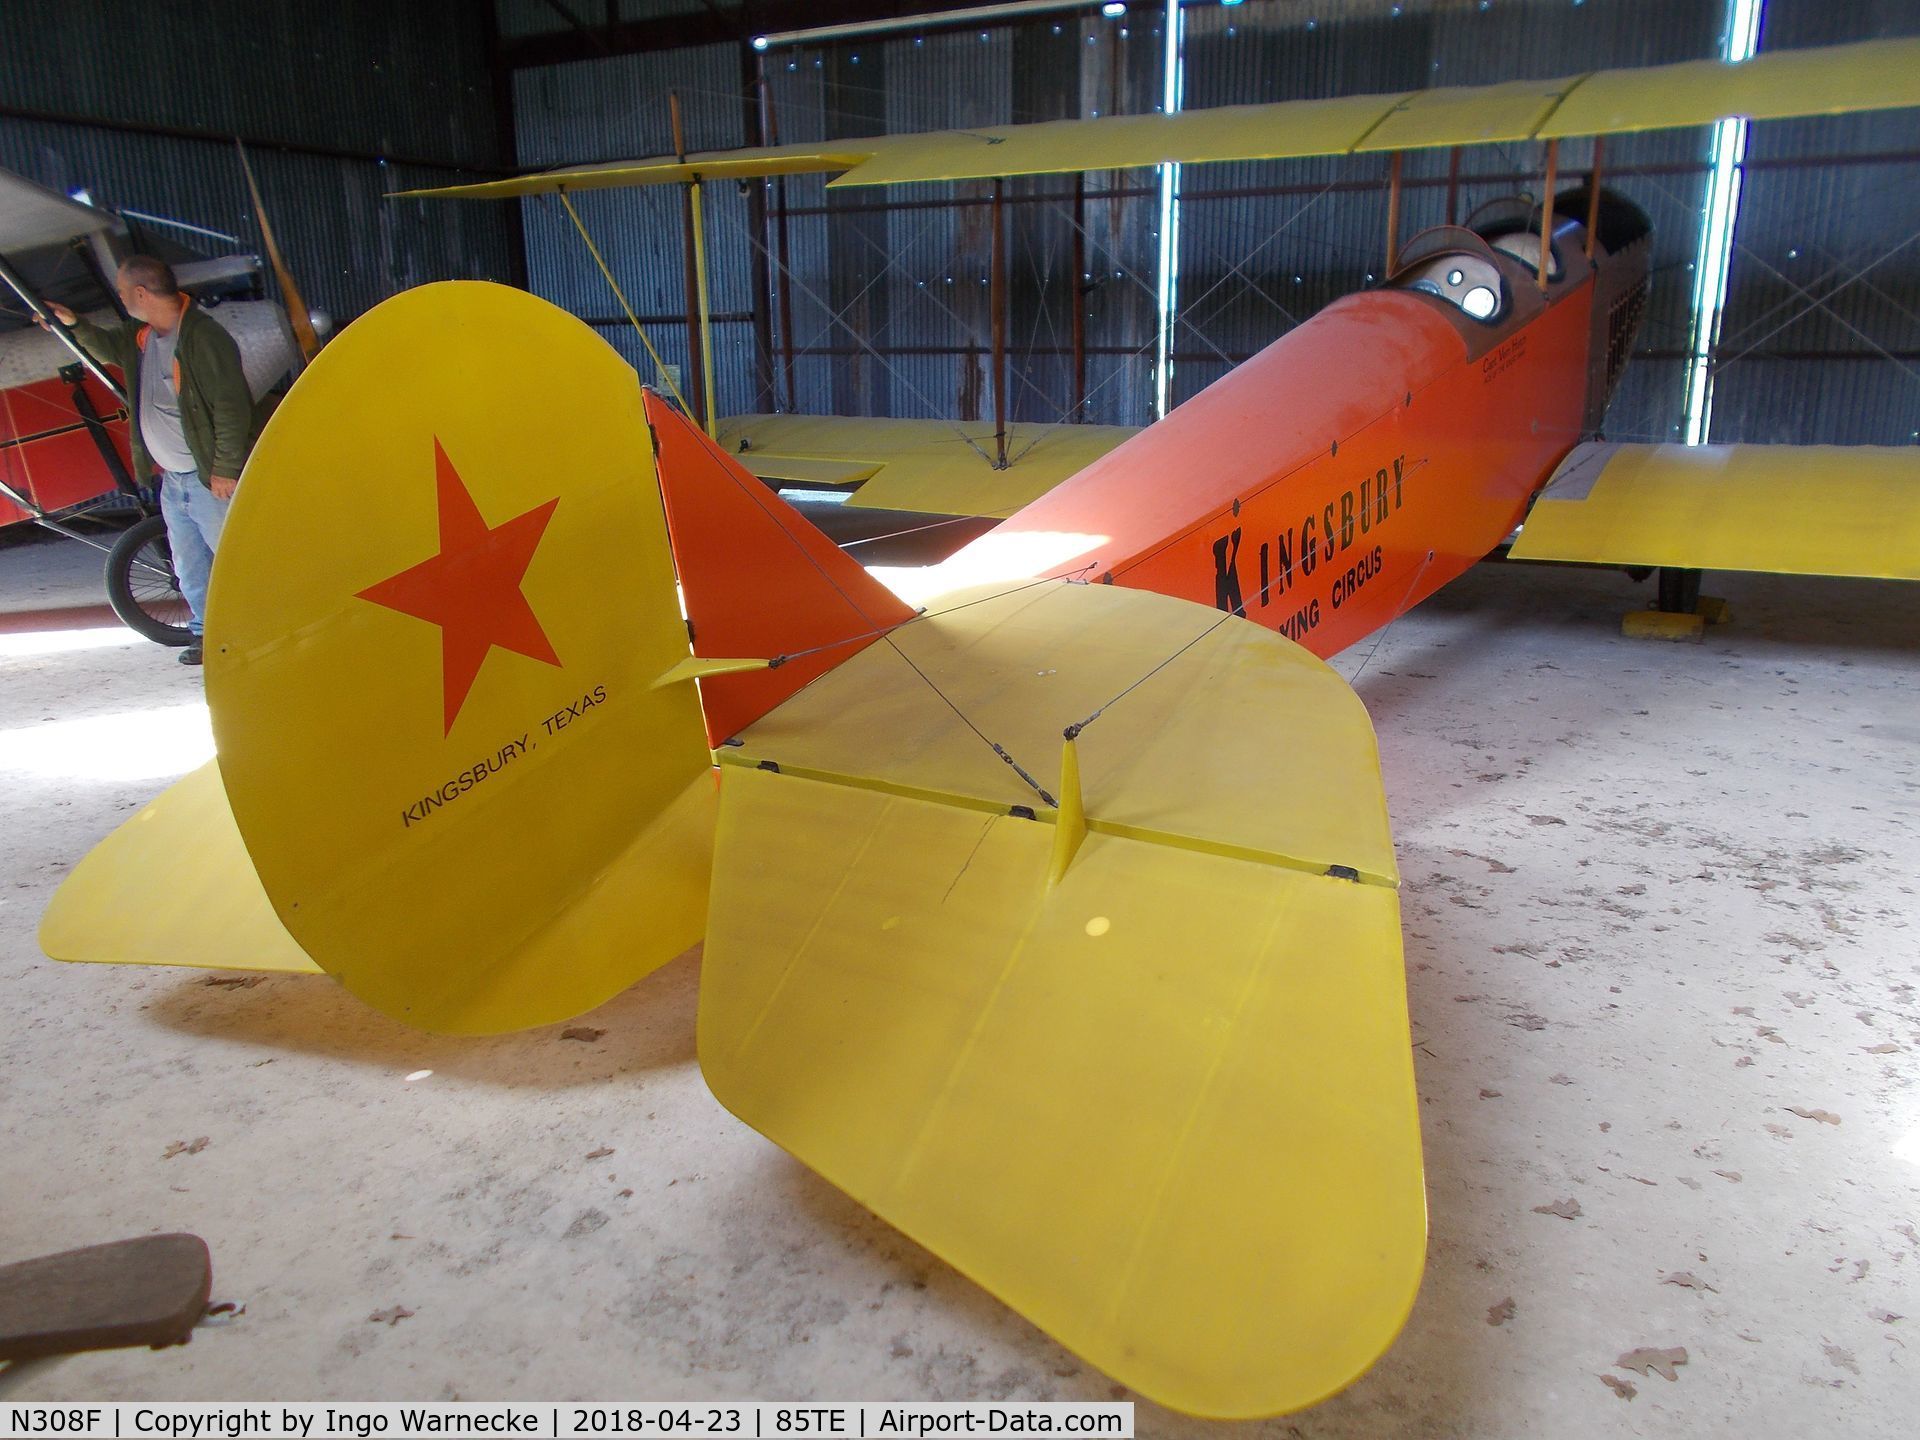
x,y
1651,1361
1546,820
1840,1359
1885,1317
1733,1175
1486,1094
1496,866
234,982
1625,1389
391,1317
1565,1209
1889,1048
1743,1062
1825,1117
1560,1079
1526,1020
1687,1280
601,1153
186,1147
1501,1313
581,1032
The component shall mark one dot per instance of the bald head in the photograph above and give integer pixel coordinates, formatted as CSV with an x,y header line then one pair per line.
x,y
149,291
155,276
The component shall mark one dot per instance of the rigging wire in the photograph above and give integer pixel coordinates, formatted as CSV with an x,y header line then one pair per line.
x,y
660,366
836,319
755,492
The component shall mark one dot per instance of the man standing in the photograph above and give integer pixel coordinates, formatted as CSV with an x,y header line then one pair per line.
x,y
193,416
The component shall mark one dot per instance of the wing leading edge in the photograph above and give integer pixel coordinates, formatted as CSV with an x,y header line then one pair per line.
x,y
1777,85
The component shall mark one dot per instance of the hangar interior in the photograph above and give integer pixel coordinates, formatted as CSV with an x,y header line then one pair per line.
x,y
1657,901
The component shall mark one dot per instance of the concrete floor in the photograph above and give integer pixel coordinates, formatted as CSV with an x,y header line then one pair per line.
x,y
1659,901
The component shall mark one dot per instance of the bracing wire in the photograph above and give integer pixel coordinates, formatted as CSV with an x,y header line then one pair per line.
x,y
660,366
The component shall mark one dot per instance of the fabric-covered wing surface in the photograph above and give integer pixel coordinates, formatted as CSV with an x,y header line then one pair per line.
x,y
1834,79
131,901
1792,509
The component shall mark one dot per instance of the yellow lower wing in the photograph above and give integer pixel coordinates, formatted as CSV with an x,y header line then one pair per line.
x,y
1164,1106
934,467
1792,509
136,899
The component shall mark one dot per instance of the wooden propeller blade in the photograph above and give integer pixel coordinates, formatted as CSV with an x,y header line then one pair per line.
x,y
289,292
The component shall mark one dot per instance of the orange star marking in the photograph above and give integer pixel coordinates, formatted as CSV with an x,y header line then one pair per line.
x,y
471,589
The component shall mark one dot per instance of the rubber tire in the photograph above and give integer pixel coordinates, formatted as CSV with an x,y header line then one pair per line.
x,y
142,535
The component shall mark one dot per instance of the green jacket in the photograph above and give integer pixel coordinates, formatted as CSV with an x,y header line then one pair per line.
x,y
216,407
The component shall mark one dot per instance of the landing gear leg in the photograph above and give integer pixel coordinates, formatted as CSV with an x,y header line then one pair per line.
x,y
1681,611
1679,591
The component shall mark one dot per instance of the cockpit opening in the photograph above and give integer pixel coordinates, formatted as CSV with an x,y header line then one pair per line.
x,y
1462,278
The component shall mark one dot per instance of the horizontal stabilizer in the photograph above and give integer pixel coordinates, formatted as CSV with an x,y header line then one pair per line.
x,y
1789,509
1151,1086
172,886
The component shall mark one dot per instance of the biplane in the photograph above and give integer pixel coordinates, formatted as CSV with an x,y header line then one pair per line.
x,y
63,416
1055,920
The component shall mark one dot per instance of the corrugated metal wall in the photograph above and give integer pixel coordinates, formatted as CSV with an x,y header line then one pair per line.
x,y
906,271
407,82
888,289
1845,233
619,108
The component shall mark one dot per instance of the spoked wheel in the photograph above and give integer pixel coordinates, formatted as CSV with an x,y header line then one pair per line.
x,y
141,586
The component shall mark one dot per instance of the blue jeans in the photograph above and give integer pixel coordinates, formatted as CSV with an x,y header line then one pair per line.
x,y
194,521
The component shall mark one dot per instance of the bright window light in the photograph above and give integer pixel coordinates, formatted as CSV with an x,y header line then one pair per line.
x,y
1169,267
1715,256
1908,1148
29,643
146,744
994,559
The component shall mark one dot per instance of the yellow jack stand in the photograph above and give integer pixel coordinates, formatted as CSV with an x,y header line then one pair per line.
x,y
1662,625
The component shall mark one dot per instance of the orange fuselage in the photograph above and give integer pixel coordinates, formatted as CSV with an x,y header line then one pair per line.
x,y
1341,475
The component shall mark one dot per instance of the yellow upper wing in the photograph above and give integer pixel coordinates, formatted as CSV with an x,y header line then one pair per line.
x,y
1828,80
